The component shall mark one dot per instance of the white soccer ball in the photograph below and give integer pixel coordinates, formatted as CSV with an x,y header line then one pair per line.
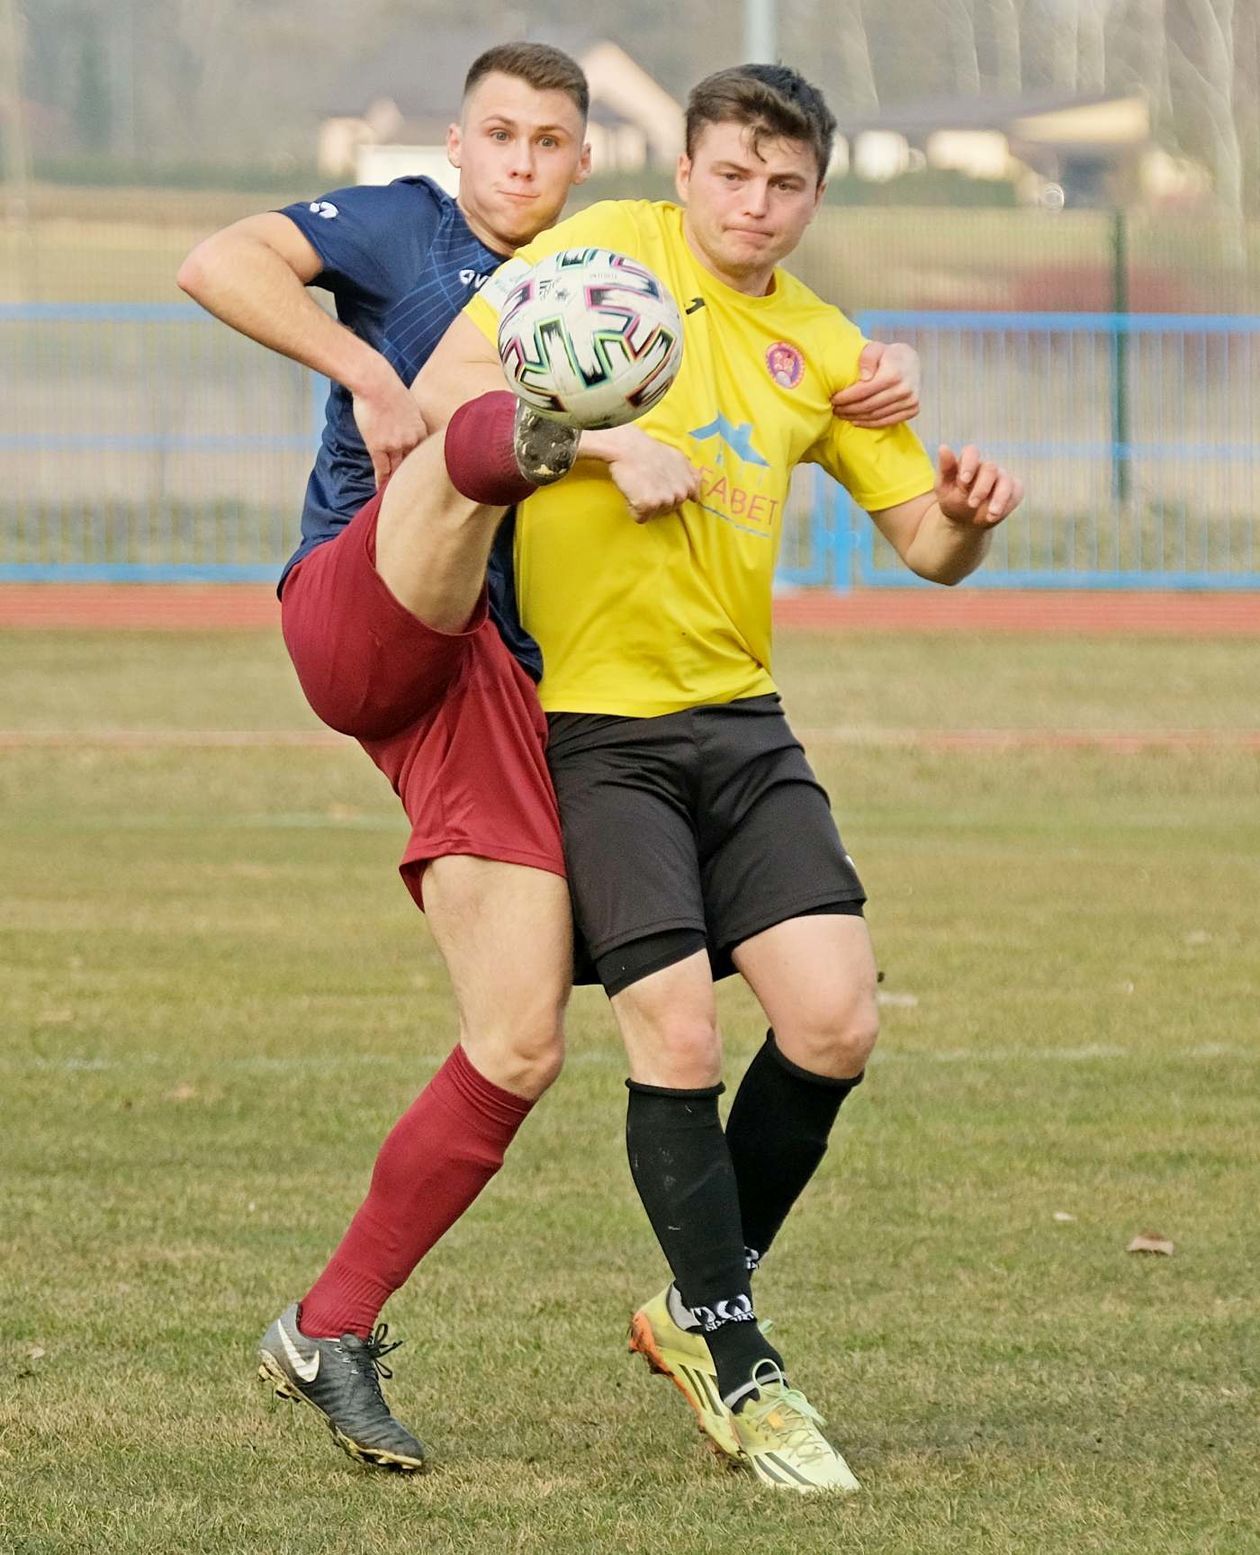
x,y
590,338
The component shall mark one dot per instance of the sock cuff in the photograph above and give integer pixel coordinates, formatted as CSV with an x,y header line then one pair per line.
x,y
480,454
501,1112
704,1093
826,1082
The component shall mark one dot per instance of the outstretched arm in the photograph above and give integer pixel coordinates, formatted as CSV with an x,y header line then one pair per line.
x,y
253,275
944,534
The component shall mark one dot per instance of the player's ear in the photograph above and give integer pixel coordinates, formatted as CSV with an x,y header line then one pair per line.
x,y
682,176
454,144
584,165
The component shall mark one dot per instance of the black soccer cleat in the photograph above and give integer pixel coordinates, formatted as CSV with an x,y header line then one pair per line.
x,y
544,449
341,1379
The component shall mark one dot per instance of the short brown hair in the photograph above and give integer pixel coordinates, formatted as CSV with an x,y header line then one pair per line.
x,y
774,101
538,65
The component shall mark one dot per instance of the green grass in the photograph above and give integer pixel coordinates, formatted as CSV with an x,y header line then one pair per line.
x,y
216,997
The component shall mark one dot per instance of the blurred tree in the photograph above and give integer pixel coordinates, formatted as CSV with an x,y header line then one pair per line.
x,y
960,21
861,93
246,81
1203,62
1005,18
91,98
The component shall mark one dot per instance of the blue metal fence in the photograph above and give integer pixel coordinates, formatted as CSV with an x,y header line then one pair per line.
x,y
1138,437
149,442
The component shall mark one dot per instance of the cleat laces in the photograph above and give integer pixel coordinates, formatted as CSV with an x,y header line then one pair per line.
x,y
367,1358
798,1426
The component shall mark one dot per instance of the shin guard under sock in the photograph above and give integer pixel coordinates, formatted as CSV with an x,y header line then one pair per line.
x,y
439,1156
682,1170
777,1135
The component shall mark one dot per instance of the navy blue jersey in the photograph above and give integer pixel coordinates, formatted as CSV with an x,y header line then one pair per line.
x,y
400,262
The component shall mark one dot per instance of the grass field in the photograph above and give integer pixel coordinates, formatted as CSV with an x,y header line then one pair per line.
x,y
216,997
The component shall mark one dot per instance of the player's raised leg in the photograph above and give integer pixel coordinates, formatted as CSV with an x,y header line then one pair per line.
x,y
453,722
440,510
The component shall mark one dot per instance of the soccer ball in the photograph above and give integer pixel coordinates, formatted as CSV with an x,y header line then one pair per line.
x,y
590,338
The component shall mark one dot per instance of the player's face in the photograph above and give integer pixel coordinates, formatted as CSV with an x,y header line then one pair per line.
x,y
519,151
746,207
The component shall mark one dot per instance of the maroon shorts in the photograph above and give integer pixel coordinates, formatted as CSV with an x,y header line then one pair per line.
x,y
450,718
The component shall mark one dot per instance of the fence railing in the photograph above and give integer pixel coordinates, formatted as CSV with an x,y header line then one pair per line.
x,y
145,441
1138,437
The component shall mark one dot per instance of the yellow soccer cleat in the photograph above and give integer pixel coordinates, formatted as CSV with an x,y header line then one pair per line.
x,y
682,1355
781,1440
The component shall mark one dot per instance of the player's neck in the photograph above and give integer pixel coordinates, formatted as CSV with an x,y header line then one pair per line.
x,y
752,283
486,234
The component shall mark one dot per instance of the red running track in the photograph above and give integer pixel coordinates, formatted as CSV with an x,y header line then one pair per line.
x,y
215,607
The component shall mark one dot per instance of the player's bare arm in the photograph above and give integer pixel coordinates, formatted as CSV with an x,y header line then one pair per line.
x,y
944,534
654,477
253,275
886,392
463,366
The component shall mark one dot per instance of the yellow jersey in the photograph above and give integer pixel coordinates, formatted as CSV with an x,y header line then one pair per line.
x,y
644,619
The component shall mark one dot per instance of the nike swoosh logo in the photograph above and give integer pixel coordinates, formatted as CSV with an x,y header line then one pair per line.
x,y
307,1370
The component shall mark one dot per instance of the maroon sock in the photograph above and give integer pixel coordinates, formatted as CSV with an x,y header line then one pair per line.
x,y
438,1157
480,459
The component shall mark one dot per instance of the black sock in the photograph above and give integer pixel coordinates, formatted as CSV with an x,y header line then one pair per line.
x,y
777,1134
682,1169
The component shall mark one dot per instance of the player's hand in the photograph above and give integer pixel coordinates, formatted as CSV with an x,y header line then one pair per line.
x,y
390,424
973,491
654,478
887,390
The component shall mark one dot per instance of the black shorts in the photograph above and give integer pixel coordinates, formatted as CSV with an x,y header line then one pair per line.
x,y
709,819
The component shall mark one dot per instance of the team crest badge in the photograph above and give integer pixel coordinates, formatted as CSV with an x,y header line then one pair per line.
x,y
786,364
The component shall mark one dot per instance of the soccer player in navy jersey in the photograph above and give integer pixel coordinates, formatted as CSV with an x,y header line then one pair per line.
x,y
402,627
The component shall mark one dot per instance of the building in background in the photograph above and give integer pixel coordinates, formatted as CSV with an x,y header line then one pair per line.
x,y
1055,149
390,113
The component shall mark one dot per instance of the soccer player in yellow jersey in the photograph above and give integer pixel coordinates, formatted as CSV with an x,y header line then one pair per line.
x,y
697,838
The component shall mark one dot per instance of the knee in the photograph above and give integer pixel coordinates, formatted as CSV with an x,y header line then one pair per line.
x,y
835,1041
682,1054
524,1058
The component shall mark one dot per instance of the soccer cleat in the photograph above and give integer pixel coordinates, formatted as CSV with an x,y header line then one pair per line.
x,y
545,450
683,1356
780,1436
341,1379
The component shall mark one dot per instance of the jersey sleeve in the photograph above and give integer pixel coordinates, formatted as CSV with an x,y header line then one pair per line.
x,y
370,238
609,224
878,468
